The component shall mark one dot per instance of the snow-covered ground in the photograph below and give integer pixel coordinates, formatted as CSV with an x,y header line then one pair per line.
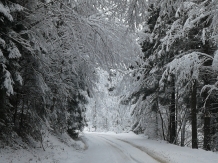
x,y
106,148
57,150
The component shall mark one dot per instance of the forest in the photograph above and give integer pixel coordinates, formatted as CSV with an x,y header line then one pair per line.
x,y
147,66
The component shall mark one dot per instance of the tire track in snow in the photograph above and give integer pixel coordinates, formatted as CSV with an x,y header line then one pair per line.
x,y
122,152
119,155
148,152
117,146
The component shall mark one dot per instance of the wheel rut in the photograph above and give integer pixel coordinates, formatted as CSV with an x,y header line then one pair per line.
x,y
148,152
117,146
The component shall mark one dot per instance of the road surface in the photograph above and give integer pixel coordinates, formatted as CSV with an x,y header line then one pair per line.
x,y
106,149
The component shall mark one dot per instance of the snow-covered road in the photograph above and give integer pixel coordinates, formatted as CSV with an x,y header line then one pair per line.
x,y
106,149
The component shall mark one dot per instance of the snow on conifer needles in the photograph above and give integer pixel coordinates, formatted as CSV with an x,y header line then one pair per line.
x,y
61,58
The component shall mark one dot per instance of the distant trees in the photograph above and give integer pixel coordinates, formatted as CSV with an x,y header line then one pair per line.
x,y
104,112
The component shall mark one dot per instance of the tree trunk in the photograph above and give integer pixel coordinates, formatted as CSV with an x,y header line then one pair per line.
x,y
207,112
194,115
207,136
15,116
162,125
173,115
183,133
2,104
169,129
156,124
155,111
21,117
15,111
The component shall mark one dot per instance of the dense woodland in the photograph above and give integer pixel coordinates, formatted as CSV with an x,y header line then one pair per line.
x,y
149,66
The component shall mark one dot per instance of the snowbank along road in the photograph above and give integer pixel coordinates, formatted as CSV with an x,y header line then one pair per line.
x,y
106,149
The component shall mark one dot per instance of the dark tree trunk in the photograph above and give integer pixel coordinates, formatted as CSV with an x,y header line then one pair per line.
x,y
194,115
15,115
207,106
172,119
207,120
207,136
173,115
183,134
162,125
2,104
169,129
21,117
207,112
183,128
16,99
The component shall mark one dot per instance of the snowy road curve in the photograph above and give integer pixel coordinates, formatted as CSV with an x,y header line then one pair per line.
x,y
106,149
